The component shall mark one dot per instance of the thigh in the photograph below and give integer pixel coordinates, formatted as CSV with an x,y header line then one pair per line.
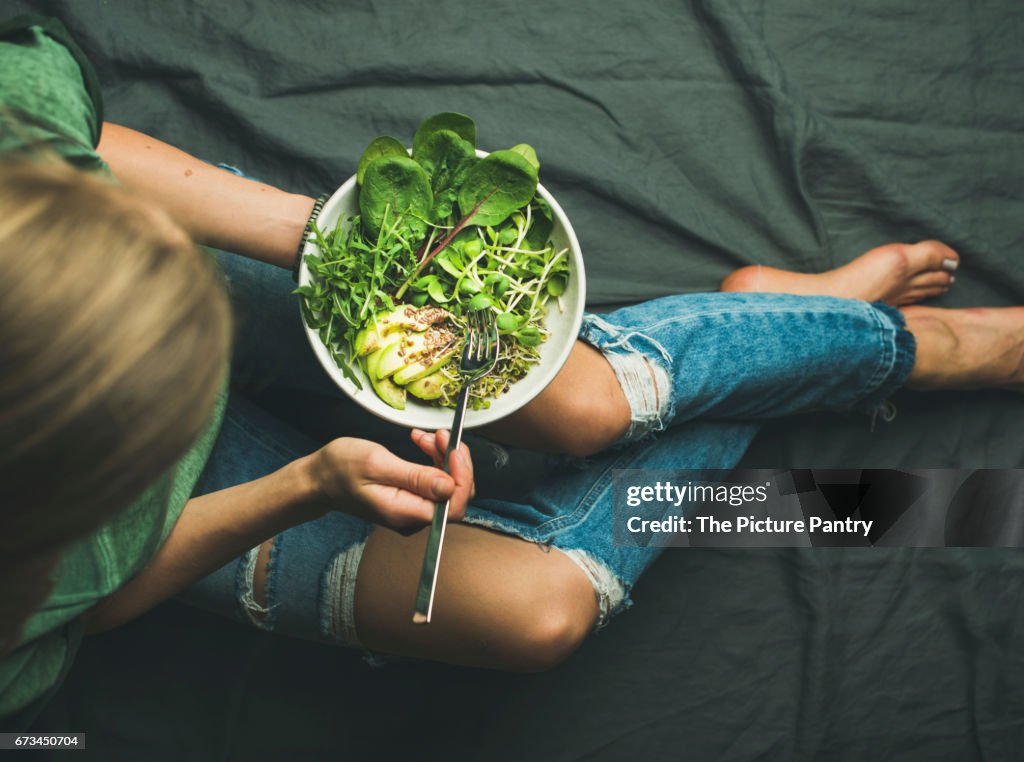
x,y
572,509
251,443
523,580
500,603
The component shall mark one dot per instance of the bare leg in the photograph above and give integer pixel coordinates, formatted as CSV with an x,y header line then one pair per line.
x,y
505,603
501,602
967,348
582,411
897,273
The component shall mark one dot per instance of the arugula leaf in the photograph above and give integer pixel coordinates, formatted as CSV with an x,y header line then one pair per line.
x,y
478,220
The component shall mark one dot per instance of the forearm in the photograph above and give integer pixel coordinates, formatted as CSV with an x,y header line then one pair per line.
x,y
354,475
217,208
212,530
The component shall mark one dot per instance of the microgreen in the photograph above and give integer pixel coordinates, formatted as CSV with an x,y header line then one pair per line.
x,y
441,228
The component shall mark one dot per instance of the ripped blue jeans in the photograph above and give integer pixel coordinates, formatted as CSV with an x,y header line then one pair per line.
x,y
699,371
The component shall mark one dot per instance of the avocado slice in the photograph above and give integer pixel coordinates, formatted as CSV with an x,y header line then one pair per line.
x,y
423,365
413,346
428,387
404,317
373,360
366,341
391,393
387,390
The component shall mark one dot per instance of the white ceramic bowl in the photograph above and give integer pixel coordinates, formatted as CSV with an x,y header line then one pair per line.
x,y
563,327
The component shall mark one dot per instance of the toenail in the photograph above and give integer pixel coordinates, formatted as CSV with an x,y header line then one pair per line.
x,y
952,279
950,264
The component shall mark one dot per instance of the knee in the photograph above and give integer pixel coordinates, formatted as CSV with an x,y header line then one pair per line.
x,y
551,638
581,412
587,425
555,621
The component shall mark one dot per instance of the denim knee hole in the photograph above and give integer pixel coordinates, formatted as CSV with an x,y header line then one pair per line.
x,y
338,596
648,390
609,590
259,616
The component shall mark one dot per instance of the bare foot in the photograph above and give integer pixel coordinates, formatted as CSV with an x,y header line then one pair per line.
x,y
897,273
967,348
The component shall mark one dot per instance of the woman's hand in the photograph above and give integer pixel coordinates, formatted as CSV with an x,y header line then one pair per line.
x,y
365,479
436,446
350,475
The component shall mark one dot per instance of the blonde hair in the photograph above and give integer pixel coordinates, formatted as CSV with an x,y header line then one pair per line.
x,y
114,334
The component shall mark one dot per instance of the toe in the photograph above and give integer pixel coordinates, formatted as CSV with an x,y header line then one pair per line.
x,y
932,278
914,295
933,255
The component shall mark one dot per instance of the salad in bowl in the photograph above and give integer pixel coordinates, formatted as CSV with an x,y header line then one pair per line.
x,y
411,245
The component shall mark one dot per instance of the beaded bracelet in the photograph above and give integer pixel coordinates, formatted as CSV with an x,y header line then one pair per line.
x,y
317,208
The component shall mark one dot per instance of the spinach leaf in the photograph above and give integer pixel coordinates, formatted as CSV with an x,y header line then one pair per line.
x,y
447,158
493,189
396,190
460,124
442,150
540,226
383,146
479,220
526,151
496,187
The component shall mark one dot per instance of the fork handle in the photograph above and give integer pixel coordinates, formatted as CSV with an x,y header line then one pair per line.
x,y
432,554
456,430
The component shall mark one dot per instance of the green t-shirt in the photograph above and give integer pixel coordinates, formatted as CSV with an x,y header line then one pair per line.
x,y
49,98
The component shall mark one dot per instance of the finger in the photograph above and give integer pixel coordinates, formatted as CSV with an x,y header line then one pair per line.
x,y
426,442
439,455
399,509
428,482
441,439
461,469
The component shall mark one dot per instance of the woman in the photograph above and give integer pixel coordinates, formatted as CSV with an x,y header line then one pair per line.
x,y
120,395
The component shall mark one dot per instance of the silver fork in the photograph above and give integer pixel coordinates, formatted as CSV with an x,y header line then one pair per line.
x,y
479,355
